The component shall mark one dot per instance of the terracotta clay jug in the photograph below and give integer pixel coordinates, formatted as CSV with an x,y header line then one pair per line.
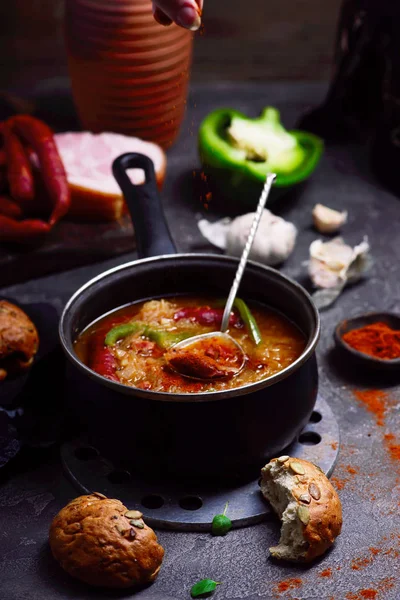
x,y
128,73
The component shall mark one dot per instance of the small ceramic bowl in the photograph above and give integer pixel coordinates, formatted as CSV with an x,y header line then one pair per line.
x,y
343,327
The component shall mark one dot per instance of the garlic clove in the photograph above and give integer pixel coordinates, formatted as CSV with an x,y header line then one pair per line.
x,y
329,262
333,265
328,220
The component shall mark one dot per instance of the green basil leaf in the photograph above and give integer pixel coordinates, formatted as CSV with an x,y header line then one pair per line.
x,y
220,525
205,586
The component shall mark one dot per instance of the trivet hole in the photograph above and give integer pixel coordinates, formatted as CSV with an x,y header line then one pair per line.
x,y
152,501
315,417
191,503
309,438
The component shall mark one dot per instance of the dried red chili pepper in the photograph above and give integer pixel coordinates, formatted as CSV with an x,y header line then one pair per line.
x,y
21,232
3,158
40,137
19,170
206,316
9,208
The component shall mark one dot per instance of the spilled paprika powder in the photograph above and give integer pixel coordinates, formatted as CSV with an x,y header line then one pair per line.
x,y
392,446
288,584
375,401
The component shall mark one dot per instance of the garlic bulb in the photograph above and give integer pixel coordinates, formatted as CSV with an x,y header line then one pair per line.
x,y
274,241
273,244
327,220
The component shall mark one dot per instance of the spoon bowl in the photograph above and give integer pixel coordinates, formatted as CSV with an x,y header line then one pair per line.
x,y
210,356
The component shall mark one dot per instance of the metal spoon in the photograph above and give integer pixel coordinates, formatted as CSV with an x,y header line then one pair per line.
x,y
191,357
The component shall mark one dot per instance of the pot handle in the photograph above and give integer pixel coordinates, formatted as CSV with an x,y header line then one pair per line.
x,y
144,204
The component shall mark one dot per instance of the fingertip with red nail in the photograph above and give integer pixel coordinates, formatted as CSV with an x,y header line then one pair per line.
x,y
185,13
189,16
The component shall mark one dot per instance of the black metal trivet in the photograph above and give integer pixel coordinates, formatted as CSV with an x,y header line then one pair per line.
x,y
191,507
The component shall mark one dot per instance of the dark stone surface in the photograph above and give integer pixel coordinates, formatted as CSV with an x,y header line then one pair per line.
x,y
34,487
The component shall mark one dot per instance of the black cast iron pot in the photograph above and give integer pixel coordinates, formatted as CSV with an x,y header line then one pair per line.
x,y
224,434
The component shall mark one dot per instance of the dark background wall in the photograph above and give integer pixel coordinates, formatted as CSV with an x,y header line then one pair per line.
x,y
243,39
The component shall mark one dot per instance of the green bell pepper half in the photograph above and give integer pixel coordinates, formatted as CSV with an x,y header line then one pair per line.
x,y
238,152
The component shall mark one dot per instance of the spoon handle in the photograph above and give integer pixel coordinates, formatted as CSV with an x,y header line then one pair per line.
x,y
246,250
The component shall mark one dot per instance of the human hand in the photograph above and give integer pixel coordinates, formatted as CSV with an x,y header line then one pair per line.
x,y
186,13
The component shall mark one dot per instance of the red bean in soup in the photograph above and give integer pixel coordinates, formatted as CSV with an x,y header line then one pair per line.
x,y
129,344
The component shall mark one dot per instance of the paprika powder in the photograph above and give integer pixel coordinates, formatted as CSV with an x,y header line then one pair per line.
x,y
377,340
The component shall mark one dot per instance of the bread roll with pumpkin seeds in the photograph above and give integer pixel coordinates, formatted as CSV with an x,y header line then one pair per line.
x,y
19,340
99,541
308,505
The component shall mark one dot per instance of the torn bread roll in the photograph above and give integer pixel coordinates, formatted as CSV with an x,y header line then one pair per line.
x,y
309,507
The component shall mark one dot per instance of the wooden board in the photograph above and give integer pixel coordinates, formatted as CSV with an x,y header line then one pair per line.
x,y
68,245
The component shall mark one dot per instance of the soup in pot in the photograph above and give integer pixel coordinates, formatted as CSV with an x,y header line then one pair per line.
x,y
129,345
